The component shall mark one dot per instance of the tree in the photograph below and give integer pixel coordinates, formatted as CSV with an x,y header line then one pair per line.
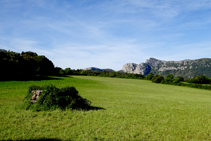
x,y
169,78
176,80
112,74
181,78
83,72
150,76
157,78
68,71
25,65
204,79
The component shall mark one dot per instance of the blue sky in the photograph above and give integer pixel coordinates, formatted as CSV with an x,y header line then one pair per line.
x,y
107,33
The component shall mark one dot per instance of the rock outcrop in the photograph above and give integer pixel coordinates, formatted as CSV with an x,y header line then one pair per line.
x,y
142,68
185,68
129,67
36,95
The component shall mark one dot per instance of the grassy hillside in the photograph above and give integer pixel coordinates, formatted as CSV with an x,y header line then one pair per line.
x,y
132,110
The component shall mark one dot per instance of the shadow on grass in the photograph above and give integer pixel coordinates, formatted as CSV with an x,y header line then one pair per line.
x,y
94,108
40,139
37,78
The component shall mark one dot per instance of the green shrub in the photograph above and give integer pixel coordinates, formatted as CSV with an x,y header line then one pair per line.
x,y
53,98
157,78
150,76
112,74
205,79
83,72
181,78
187,79
200,79
169,78
176,80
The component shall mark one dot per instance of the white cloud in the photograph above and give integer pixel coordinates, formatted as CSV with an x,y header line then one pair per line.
x,y
105,34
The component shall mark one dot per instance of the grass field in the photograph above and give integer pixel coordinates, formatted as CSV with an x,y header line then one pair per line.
x,y
132,110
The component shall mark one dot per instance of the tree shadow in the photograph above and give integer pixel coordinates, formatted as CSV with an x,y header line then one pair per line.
x,y
90,108
37,78
40,139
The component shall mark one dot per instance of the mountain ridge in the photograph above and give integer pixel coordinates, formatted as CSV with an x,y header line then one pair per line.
x,y
98,69
186,68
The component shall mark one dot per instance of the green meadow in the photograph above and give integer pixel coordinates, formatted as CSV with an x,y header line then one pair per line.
x,y
130,109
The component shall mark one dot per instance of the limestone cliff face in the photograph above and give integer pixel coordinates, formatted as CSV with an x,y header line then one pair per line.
x,y
129,67
152,62
185,68
142,68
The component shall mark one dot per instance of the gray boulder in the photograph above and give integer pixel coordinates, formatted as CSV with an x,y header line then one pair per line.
x,y
35,96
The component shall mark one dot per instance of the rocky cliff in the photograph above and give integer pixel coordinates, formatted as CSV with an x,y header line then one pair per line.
x,y
185,68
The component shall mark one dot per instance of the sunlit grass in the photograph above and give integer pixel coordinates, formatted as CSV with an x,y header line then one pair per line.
x,y
133,110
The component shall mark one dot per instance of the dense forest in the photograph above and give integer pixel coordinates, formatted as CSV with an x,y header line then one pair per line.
x,y
24,66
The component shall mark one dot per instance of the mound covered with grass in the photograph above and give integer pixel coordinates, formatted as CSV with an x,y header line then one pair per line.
x,y
51,98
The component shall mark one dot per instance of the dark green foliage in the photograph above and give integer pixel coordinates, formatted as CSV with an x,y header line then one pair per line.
x,y
200,79
176,80
196,79
83,72
187,79
169,78
53,98
181,78
112,74
205,79
62,72
106,74
192,85
157,79
150,76
23,66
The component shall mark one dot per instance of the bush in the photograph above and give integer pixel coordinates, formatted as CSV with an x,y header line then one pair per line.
x,y
200,79
157,78
53,98
112,74
83,72
169,78
196,79
187,79
205,79
150,76
176,80
181,78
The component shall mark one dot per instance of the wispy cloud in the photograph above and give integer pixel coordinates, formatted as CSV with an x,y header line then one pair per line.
x,y
106,34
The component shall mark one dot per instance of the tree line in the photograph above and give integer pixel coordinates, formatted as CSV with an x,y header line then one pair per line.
x,y
24,65
154,78
30,65
202,82
69,71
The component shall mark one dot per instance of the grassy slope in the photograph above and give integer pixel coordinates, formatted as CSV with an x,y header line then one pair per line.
x,y
134,110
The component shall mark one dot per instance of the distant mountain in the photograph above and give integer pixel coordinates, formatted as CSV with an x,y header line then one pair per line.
x,y
185,68
98,69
